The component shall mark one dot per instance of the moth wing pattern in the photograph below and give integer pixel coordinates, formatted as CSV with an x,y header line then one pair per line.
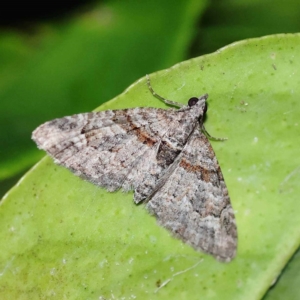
x,y
193,203
120,149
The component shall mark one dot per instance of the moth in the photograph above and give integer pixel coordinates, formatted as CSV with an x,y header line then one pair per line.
x,y
163,155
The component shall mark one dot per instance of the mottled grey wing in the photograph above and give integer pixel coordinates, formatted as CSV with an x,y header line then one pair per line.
x,y
193,201
113,149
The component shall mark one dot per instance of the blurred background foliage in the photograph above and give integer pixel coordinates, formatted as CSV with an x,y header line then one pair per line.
x,y
58,60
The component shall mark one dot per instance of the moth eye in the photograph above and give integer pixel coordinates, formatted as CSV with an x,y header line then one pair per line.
x,y
205,108
193,101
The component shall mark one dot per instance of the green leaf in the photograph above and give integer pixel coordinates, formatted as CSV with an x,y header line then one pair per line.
x,y
65,237
287,286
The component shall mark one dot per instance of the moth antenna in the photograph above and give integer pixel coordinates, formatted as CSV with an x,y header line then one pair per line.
x,y
166,101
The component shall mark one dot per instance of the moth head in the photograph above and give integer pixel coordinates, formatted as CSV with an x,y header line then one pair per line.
x,y
194,100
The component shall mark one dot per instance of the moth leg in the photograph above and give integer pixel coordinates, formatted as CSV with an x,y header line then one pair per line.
x,y
211,137
169,102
